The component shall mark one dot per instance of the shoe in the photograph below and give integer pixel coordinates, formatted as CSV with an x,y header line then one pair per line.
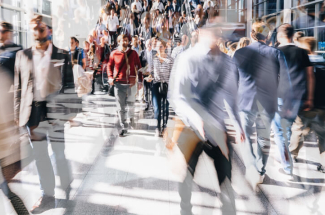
x,y
321,168
43,204
147,107
122,132
157,132
294,158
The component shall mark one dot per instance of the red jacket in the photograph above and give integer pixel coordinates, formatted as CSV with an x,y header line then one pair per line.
x,y
117,62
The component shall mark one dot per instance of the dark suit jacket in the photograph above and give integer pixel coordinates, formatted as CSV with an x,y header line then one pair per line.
x,y
259,68
8,58
177,9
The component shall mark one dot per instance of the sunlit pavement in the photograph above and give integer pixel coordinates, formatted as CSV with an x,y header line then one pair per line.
x,y
135,177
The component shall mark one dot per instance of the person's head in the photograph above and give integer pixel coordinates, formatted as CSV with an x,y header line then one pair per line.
x,y
175,1
308,43
184,40
168,3
102,41
5,31
243,42
148,45
145,3
154,42
86,45
134,7
39,29
73,43
260,31
194,37
135,40
184,14
157,12
285,33
146,22
123,41
94,33
297,36
112,12
161,46
90,39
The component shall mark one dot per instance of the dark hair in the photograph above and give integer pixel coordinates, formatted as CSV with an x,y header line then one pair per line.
x,y
286,29
6,25
75,39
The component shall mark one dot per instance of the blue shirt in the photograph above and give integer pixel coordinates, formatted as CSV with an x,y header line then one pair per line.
x,y
81,55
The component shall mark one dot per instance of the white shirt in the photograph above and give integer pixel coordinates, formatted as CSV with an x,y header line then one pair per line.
x,y
158,5
149,59
138,4
112,23
41,65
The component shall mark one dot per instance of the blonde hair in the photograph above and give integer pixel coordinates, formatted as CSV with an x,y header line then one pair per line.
x,y
243,42
260,31
308,43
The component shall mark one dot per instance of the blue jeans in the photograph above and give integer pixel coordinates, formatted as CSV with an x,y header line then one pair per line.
x,y
263,127
280,127
160,104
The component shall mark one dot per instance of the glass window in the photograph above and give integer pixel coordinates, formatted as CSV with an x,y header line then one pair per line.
x,y
304,17
46,7
15,3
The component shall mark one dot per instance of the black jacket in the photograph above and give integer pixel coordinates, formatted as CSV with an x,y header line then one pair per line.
x,y
8,58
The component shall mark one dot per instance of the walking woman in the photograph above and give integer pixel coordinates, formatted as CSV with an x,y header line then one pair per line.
x,y
160,71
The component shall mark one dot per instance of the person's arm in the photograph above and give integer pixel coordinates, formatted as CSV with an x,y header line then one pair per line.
x,y
309,104
110,69
17,88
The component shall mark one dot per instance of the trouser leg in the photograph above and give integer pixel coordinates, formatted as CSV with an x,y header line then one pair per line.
x,y
296,140
280,127
44,167
263,141
156,99
121,97
247,120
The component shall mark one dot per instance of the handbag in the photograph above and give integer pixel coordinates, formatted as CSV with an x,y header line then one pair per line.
x,y
163,88
181,142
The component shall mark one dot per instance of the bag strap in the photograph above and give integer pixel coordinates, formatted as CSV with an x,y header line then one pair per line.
x,y
118,72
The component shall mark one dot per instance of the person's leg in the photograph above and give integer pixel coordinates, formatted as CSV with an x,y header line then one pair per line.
x,y
156,99
280,127
296,140
120,92
166,112
247,120
57,141
185,187
263,128
318,125
130,100
44,167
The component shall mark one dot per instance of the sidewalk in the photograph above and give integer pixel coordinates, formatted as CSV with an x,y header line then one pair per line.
x,y
135,177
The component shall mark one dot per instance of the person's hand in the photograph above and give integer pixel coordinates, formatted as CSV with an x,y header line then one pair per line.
x,y
111,81
308,105
240,138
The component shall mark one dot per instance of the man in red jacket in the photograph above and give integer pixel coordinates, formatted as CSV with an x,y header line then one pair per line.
x,y
122,73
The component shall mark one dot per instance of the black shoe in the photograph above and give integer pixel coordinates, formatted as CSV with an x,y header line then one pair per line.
x,y
122,132
321,168
147,107
43,204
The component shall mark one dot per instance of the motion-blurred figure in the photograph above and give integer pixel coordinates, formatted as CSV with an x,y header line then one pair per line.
x,y
301,76
311,118
204,85
37,78
8,49
259,67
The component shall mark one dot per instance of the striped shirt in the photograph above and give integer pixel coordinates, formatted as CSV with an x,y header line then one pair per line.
x,y
161,71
